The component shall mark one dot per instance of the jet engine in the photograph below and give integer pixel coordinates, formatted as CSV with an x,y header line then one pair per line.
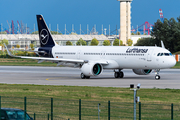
x,y
91,69
142,71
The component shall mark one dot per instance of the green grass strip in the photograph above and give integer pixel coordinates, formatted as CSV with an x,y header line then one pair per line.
x,y
162,96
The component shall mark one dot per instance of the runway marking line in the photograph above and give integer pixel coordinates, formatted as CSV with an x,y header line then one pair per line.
x,y
49,79
59,78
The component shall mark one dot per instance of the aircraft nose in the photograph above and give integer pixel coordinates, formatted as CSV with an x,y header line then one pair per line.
x,y
173,62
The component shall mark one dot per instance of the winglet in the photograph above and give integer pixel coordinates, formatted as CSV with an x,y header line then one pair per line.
x,y
9,53
162,44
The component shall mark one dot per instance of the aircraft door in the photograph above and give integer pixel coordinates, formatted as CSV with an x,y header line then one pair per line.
x,y
78,54
103,54
149,55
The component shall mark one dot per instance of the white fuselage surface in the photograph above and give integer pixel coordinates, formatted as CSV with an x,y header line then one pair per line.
x,y
119,57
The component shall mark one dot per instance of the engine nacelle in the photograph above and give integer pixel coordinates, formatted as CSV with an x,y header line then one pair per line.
x,y
91,69
142,71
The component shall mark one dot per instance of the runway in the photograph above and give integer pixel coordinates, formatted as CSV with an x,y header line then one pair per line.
x,y
170,78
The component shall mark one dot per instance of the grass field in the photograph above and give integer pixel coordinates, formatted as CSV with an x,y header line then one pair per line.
x,y
177,66
90,93
24,62
155,102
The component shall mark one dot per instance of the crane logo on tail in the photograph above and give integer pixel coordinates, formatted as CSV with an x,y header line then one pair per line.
x,y
44,36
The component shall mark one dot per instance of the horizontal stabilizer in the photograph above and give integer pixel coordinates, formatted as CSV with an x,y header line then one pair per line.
x,y
9,53
30,51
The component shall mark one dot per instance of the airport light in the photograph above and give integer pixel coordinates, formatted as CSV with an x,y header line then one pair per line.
x,y
136,99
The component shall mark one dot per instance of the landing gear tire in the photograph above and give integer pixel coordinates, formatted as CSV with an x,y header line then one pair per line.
x,y
157,77
83,76
116,74
121,74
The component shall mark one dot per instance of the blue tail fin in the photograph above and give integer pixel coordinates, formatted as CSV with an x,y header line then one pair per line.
x,y
45,36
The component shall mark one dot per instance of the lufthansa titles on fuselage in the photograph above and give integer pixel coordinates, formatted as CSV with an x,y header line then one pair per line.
x,y
136,50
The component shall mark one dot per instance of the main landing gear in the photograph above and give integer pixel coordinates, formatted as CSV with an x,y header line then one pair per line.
x,y
157,76
118,74
84,77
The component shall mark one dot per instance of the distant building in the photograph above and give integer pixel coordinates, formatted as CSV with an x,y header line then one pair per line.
x,y
24,40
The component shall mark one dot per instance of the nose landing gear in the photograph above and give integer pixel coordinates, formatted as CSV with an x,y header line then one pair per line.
x,y
157,76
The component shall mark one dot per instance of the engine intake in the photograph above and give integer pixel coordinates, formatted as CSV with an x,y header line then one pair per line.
x,y
142,71
92,69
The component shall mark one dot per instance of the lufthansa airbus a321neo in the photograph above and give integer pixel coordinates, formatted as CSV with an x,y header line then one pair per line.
x,y
94,59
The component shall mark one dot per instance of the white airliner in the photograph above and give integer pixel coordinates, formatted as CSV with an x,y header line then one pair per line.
x,y
94,59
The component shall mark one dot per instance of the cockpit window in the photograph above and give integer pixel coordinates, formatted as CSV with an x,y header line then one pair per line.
x,y
164,54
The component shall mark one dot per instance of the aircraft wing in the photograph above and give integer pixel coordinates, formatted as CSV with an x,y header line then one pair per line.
x,y
54,59
58,60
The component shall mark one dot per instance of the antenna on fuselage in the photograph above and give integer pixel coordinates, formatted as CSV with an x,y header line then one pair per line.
x,y
162,44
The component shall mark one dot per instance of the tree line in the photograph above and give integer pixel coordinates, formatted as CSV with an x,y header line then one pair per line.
x,y
95,42
167,31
